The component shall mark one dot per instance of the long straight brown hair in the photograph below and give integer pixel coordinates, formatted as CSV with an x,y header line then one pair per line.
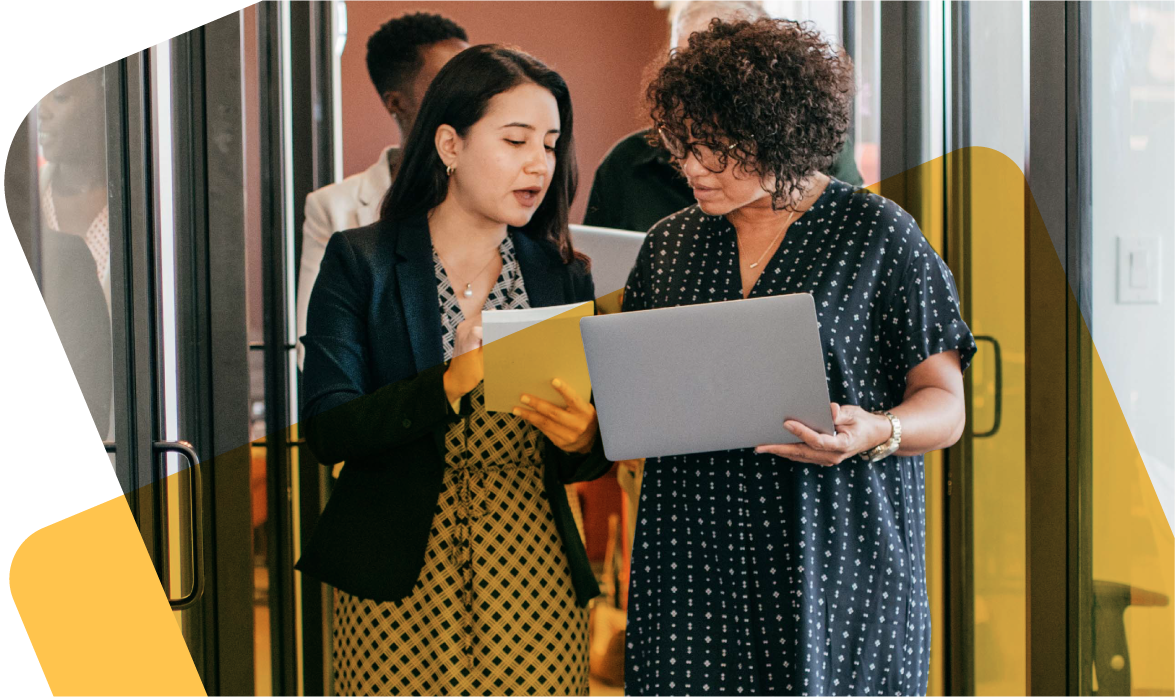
x,y
459,97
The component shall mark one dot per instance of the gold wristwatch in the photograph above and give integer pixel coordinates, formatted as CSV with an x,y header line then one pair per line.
x,y
890,446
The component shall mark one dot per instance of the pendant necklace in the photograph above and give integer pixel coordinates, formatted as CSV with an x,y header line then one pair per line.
x,y
791,220
468,292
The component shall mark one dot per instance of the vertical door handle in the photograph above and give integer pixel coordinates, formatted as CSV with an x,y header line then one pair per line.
x,y
196,498
999,387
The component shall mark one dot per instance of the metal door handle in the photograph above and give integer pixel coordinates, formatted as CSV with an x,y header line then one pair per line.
x,y
196,493
999,387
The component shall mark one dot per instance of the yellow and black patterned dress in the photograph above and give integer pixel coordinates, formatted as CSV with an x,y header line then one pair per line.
x,y
494,609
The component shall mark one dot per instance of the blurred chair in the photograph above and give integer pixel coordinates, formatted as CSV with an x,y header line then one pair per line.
x,y
608,620
1111,657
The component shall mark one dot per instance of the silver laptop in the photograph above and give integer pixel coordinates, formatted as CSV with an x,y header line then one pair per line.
x,y
701,378
613,253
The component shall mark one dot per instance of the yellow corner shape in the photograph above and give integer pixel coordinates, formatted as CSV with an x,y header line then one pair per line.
x,y
94,610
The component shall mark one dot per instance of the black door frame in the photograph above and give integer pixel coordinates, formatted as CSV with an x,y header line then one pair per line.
x,y
1059,351
311,121
277,347
210,259
298,615
210,322
959,492
1059,354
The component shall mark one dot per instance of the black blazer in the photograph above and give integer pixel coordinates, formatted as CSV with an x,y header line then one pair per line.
x,y
374,397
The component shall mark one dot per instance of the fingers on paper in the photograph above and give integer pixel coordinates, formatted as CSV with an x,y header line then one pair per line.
x,y
574,401
542,406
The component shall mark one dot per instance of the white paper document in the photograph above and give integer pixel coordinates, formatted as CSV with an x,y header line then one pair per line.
x,y
526,349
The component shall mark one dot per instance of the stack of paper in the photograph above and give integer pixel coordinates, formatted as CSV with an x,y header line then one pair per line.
x,y
526,349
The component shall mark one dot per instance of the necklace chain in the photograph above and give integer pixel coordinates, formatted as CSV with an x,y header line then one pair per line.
x,y
791,219
468,292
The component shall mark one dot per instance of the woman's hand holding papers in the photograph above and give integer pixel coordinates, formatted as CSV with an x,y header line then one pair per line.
x,y
573,428
856,431
467,367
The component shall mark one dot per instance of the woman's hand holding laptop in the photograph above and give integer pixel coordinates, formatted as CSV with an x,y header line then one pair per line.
x,y
857,431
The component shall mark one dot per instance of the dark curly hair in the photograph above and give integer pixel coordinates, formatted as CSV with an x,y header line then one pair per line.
x,y
393,51
774,88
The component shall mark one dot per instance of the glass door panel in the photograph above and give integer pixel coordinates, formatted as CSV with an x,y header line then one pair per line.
x,y
993,212
1131,76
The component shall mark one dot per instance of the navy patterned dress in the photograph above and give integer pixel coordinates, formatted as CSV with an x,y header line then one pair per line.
x,y
752,574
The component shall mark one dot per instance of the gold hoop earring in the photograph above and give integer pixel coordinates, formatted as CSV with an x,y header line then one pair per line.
x,y
449,171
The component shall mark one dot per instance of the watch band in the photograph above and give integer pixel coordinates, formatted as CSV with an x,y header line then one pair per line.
x,y
890,446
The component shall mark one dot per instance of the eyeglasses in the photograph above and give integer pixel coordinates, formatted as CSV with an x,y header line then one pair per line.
x,y
712,156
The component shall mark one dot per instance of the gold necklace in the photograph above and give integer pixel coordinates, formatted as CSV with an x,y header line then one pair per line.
x,y
468,292
791,220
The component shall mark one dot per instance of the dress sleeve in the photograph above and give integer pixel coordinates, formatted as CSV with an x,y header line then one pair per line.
x,y
921,316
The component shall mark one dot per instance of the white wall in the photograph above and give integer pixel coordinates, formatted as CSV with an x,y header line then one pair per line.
x,y
1133,173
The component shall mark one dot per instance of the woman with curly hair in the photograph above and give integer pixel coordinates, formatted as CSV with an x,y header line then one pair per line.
x,y
792,568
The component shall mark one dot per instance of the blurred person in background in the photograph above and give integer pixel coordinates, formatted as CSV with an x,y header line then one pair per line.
x,y
637,183
75,240
403,57
71,128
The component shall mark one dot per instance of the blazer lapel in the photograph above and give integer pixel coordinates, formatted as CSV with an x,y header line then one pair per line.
x,y
539,266
416,276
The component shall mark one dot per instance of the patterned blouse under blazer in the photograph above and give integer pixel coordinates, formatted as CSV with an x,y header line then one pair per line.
x,y
374,398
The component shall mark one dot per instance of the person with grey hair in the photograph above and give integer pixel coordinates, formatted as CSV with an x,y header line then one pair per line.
x,y
637,184
688,17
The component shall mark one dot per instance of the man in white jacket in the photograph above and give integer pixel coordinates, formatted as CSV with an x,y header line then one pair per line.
x,y
403,57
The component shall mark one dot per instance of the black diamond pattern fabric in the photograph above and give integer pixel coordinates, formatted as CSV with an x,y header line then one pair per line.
x,y
494,610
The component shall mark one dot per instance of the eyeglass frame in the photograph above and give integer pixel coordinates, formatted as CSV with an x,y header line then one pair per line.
x,y
691,148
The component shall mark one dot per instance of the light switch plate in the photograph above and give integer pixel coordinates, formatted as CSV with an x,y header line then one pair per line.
x,y
1140,269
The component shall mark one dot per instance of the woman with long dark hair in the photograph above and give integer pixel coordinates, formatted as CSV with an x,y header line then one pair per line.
x,y
456,563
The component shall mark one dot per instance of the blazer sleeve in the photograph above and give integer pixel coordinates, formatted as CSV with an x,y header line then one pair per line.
x,y
345,417
579,467
316,232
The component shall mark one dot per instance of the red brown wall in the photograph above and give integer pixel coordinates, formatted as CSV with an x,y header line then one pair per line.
x,y
600,49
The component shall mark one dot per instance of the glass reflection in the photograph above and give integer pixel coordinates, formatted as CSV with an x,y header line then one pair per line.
x,y
1132,85
75,234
